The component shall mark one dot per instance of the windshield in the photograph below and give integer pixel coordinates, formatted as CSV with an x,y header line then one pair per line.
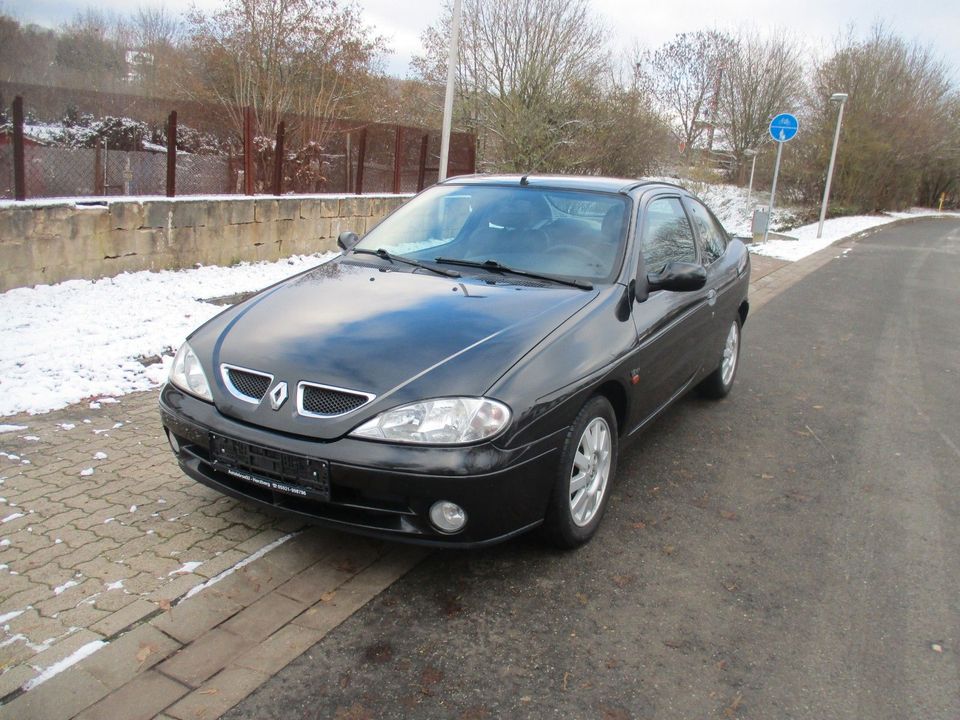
x,y
557,232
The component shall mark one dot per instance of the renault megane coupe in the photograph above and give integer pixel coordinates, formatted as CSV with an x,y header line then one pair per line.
x,y
471,368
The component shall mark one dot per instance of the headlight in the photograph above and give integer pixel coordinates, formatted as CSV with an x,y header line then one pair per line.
x,y
444,421
187,374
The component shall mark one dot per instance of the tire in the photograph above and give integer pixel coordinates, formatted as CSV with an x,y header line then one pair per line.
x,y
719,383
587,467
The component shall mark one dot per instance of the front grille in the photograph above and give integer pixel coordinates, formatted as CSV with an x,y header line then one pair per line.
x,y
324,401
246,384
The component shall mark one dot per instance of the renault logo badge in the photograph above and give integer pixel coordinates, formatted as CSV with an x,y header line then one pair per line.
x,y
278,395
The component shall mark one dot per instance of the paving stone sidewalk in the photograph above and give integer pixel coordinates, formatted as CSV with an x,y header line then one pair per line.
x,y
102,540
160,595
100,529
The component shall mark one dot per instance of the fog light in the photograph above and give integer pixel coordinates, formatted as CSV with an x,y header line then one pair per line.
x,y
173,442
447,517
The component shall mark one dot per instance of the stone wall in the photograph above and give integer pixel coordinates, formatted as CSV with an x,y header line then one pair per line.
x,y
50,241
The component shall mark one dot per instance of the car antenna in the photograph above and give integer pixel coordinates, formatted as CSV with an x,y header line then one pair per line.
x,y
523,181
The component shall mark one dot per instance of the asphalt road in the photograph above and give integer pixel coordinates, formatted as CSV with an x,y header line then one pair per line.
x,y
790,552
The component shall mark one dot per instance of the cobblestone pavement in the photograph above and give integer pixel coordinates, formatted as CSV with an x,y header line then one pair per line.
x,y
761,266
105,545
100,529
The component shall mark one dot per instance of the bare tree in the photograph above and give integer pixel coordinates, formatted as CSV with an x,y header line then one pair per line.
x,y
524,75
762,77
900,123
626,135
153,27
300,58
940,177
686,74
92,49
157,60
27,53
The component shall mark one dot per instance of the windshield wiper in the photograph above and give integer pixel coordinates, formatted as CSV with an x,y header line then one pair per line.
x,y
381,253
494,266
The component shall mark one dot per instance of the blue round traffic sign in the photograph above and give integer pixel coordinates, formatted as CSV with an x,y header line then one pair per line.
x,y
783,127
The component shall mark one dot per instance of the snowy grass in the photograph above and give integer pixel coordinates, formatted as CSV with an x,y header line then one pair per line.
x,y
81,339
805,241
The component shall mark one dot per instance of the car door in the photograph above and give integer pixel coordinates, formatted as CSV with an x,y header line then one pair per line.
x,y
721,276
668,356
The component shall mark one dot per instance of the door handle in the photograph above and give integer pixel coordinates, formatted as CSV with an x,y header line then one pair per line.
x,y
712,297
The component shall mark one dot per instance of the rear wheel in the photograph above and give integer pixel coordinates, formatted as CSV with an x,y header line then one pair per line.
x,y
719,383
587,466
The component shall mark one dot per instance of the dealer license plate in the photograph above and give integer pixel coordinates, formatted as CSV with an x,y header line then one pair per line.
x,y
279,471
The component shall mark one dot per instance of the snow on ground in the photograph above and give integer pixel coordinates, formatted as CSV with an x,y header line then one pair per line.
x,y
806,241
58,667
730,204
80,339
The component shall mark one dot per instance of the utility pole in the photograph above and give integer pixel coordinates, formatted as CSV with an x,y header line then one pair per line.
x,y
448,98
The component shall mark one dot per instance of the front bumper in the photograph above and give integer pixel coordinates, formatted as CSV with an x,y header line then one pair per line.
x,y
368,487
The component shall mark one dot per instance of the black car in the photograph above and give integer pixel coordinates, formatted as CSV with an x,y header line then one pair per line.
x,y
471,368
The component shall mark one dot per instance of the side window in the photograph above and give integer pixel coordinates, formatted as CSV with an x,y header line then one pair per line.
x,y
667,235
713,240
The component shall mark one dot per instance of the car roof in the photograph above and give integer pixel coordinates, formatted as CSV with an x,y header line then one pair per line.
x,y
562,182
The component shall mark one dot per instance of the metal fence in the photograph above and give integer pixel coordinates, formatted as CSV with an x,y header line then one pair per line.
x,y
352,157
77,172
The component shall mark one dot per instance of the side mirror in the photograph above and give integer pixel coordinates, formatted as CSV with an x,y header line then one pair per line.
x,y
347,240
678,277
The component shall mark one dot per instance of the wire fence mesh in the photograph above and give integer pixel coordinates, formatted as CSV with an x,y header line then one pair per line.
x,y
342,156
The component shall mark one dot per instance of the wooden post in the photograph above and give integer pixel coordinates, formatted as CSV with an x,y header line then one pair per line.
x,y
361,157
472,155
347,165
98,184
422,173
172,154
19,160
248,151
278,160
397,159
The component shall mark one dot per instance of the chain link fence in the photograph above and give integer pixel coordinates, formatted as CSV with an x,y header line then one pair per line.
x,y
348,157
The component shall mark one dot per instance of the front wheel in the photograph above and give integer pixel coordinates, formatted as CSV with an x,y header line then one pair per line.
x,y
719,383
587,466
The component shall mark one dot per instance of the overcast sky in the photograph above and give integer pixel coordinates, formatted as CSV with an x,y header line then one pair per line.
x,y
649,22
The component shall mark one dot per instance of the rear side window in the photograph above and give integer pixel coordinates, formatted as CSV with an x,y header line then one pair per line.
x,y
713,240
667,236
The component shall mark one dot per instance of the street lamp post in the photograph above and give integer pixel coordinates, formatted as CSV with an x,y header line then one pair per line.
x,y
750,153
842,99
448,98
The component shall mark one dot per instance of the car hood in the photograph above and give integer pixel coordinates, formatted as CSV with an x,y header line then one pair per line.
x,y
398,336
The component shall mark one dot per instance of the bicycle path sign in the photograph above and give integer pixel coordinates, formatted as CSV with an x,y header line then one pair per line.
x,y
783,127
